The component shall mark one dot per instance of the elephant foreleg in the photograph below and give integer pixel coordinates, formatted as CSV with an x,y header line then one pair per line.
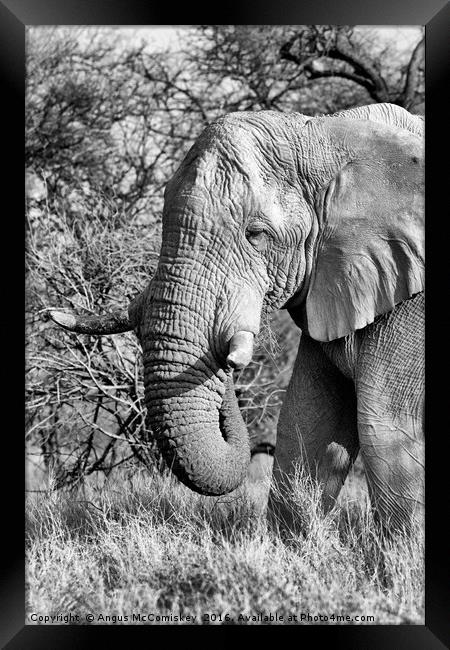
x,y
393,456
316,430
390,392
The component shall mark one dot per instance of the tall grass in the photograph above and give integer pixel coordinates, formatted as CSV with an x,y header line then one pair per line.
x,y
146,545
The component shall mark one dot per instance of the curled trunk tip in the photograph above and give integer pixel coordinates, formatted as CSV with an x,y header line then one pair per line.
x,y
212,461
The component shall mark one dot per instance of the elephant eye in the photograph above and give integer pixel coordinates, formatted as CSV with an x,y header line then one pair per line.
x,y
257,238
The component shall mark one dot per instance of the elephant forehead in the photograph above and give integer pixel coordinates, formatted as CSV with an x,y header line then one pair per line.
x,y
249,146
214,180
211,186
232,173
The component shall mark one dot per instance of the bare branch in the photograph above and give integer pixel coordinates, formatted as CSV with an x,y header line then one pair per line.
x,y
412,74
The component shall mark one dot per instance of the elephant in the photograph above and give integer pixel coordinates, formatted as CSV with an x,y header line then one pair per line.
x,y
322,216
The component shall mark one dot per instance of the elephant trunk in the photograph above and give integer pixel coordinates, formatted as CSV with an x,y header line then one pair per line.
x,y
192,410
203,442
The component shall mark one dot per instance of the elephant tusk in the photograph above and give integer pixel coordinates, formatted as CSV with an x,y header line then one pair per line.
x,y
241,350
112,323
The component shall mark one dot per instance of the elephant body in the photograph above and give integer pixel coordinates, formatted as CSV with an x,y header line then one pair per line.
x,y
362,392
323,217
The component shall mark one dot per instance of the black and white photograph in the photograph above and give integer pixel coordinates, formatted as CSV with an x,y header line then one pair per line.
x,y
224,354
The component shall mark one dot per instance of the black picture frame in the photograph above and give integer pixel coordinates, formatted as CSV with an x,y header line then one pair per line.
x,y
15,16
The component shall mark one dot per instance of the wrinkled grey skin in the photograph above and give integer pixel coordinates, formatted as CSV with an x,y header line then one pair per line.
x,y
361,392
322,216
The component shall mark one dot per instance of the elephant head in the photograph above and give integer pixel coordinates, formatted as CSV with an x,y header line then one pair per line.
x,y
322,216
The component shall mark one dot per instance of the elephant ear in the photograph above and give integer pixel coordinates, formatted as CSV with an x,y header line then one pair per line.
x,y
370,252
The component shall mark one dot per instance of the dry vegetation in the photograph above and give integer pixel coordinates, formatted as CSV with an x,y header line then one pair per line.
x,y
144,544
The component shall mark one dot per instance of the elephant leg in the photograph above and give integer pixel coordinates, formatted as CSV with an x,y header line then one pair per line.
x,y
261,463
390,393
393,457
259,476
316,431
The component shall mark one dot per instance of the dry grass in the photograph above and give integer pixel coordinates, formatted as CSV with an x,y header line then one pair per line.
x,y
146,545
